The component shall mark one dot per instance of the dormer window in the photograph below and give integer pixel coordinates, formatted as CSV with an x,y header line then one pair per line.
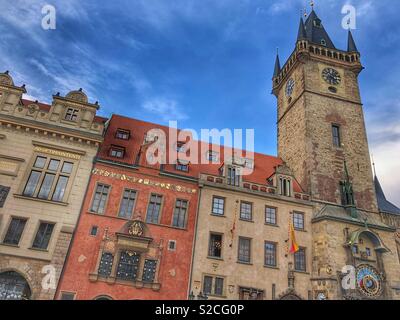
x,y
323,42
285,185
212,156
180,146
71,114
233,176
182,166
317,23
123,134
117,152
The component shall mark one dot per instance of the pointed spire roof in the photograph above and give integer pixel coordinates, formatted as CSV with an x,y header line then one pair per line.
x,y
316,32
301,35
383,204
351,45
277,69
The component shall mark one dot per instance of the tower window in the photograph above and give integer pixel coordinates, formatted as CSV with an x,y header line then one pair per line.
x,y
346,194
233,176
336,136
285,186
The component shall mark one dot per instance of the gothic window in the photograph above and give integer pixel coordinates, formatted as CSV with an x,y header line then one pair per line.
x,y
270,215
100,198
48,179
14,232
346,194
179,219
3,195
127,204
71,114
270,254
336,136
117,152
244,252
218,206
285,185
215,245
233,177
154,209
149,270
298,220
246,211
43,236
13,287
123,134
300,260
128,265
105,265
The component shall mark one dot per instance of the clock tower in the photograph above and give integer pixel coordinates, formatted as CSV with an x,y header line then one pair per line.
x,y
322,138
321,129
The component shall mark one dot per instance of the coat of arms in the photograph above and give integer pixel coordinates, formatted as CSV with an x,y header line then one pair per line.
x,y
136,229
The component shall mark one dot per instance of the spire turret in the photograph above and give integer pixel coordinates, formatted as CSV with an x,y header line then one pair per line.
x,y
277,69
301,35
351,45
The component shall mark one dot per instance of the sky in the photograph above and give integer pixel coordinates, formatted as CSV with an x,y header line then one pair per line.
x,y
207,64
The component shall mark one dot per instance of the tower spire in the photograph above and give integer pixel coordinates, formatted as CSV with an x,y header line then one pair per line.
x,y
277,69
301,35
351,45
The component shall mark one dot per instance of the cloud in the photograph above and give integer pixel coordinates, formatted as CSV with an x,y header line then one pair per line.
x,y
166,109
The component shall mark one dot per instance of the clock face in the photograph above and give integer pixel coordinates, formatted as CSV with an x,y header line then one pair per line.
x,y
289,87
369,282
331,76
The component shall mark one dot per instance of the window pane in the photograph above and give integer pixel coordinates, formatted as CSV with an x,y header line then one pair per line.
x,y
153,211
179,218
218,206
270,215
46,186
246,211
219,286
244,250
100,198
32,183
298,220
270,254
207,285
3,195
127,203
215,246
40,162
53,165
14,231
106,263
67,167
43,236
149,270
60,188
300,260
128,265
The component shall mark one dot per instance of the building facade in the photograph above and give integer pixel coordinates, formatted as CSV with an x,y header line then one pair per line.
x,y
46,158
242,242
322,138
135,235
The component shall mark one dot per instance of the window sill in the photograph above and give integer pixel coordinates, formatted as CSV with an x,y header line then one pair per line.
x,y
300,230
19,196
38,249
271,225
246,220
271,267
218,215
10,245
215,258
301,272
245,263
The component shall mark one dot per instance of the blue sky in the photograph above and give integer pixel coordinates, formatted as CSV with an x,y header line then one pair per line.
x,y
207,64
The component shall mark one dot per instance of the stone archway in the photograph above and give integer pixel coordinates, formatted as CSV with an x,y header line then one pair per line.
x,y
13,286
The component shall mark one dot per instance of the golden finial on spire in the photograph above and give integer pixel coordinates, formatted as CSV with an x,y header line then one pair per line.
x,y
312,4
305,12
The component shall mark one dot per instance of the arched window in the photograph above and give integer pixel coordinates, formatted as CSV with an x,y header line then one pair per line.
x,y
13,286
103,297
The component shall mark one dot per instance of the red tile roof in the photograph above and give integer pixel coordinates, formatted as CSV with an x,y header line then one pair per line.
x,y
46,108
264,165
